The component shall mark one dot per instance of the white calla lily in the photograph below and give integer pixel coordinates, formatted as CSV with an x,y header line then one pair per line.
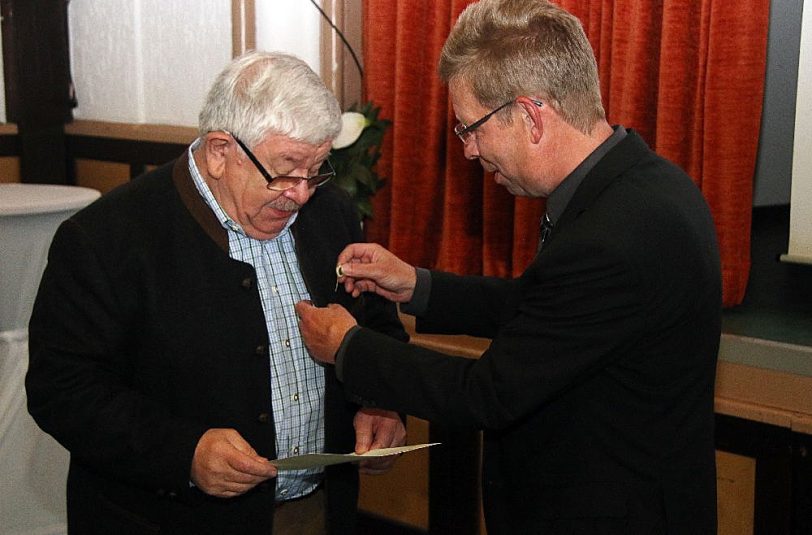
x,y
352,124
356,149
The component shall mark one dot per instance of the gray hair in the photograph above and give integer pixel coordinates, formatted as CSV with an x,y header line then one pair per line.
x,y
503,49
262,93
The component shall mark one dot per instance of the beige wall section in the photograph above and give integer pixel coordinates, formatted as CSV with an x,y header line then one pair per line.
x,y
736,493
101,176
9,169
9,165
402,493
105,175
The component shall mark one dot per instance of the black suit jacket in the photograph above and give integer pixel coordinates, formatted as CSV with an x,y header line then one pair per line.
x,y
596,393
145,334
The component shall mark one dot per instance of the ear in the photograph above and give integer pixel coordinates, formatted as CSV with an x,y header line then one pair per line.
x,y
533,116
216,148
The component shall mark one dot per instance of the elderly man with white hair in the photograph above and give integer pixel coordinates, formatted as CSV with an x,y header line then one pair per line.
x,y
165,352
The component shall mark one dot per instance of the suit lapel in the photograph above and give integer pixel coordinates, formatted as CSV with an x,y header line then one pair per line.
x,y
623,156
316,256
196,205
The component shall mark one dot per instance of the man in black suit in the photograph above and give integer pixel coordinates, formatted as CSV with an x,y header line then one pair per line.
x,y
596,393
164,352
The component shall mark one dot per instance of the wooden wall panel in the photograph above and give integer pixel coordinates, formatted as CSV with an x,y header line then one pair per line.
x,y
9,169
100,175
402,494
736,490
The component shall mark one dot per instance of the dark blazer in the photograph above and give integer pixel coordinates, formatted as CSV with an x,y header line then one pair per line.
x,y
596,393
145,334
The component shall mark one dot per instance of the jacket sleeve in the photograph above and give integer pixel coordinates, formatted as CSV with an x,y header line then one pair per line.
x,y
78,384
489,303
541,350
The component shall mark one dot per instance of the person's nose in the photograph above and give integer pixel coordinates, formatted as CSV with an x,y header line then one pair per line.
x,y
300,193
471,149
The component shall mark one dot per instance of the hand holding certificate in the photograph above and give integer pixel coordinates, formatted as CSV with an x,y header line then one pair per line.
x,y
310,460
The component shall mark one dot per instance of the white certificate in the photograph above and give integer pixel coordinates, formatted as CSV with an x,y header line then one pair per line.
x,y
310,460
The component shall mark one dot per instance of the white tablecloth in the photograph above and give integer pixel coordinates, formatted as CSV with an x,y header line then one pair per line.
x,y
33,466
29,215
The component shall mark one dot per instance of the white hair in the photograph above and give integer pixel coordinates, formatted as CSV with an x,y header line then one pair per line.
x,y
260,93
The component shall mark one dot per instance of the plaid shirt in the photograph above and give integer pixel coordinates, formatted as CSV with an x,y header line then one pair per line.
x,y
297,381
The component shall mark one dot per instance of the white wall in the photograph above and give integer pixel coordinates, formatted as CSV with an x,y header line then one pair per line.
x,y
800,232
151,61
773,177
2,84
292,26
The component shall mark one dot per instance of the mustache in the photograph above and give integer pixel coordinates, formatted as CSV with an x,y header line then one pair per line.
x,y
285,204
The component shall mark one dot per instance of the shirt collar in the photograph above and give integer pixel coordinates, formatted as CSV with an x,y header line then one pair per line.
x,y
560,197
203,188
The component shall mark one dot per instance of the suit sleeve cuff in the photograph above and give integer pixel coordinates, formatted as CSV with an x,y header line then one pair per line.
x,y
420,297
343,349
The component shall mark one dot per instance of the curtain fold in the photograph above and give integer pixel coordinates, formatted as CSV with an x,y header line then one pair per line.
x,y
688,76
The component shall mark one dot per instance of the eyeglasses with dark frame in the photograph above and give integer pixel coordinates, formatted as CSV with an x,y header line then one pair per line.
x,y
286,182
466,132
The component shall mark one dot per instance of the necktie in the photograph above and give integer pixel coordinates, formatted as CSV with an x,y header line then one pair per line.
x,y
546,228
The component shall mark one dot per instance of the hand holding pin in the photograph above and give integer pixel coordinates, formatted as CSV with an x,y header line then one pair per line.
x,y
339,274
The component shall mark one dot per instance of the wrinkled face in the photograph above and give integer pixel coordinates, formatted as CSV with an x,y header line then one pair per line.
x,y
242,191
498,147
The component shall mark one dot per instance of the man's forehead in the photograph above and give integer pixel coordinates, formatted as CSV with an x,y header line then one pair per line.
x,y
295,149
462,97
459,88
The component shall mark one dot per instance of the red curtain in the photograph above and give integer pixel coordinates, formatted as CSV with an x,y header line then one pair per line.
x,y
688,76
